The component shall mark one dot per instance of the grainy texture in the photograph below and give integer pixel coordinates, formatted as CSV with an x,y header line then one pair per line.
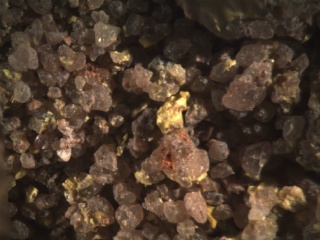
x,y
138,120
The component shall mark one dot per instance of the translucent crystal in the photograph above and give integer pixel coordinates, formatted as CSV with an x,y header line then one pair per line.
x,y
24,58
49,58
179,159
19,141
54,92
196,206
252,53
11,124
106,158
35,31
186,228
168,77
129,216
100,16
260,29
218,150
262,199
102,98
221,170
96,212
21,92
51,79
27,160
80,82
18,38
197,112
124,193
263,230
175,211
101,175
286,88
293,128
71,60
254,157
137,80
105,34
51,31
80,187
154,204
177,72
248,90
224,71
282,55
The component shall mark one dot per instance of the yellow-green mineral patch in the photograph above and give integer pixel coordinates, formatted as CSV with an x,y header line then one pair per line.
x,y
169,116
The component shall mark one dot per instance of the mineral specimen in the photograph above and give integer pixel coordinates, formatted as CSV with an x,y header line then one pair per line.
x,y
24,58
186,228
106,158
254,157
175,212
169,116
248,90
21,92
217,16
291,198
179,159
129,216
262,199
196,206
218,151
96,212
72,61
127,120
105,34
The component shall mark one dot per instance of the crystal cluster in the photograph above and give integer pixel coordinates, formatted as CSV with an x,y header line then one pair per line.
x,y
178,158
128,120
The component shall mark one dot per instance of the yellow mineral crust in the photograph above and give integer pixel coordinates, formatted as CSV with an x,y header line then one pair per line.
x,y
213,222
141,177
291,198
169,116
31,194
